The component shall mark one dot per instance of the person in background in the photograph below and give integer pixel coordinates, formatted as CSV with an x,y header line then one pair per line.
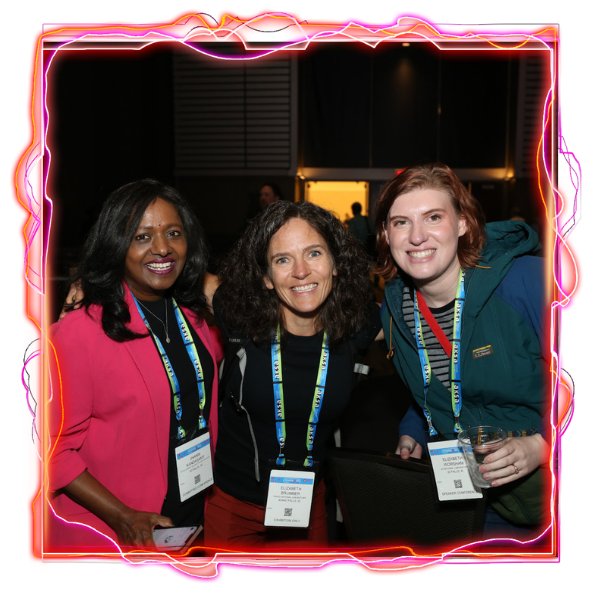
x,y
358,225
269,193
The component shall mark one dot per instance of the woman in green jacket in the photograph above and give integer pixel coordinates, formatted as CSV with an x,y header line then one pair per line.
x,y
442,265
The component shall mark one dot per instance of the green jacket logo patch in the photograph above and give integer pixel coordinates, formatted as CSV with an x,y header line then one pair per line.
x,y
481,352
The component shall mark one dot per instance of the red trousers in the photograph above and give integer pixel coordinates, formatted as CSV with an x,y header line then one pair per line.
x,y
232,524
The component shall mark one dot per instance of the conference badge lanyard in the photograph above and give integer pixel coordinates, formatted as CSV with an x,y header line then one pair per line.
x,y
290,494
193,459
452,477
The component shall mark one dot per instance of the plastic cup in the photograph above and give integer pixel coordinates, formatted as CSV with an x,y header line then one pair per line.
x,y
477,443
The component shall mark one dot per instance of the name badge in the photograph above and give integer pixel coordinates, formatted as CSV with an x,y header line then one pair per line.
x,y
289,498
194,466
451,472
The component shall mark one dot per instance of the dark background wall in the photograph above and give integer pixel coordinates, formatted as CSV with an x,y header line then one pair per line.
x,y
111,121
115,116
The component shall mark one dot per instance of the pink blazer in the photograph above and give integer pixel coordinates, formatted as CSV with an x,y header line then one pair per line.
x,y
113,420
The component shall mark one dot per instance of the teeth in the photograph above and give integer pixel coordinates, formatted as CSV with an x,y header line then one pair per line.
x,y
422,254
159,266
305,288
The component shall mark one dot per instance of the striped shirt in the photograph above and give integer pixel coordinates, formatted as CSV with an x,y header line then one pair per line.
x,y
438,359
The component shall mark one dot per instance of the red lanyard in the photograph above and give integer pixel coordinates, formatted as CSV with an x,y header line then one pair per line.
x,y
433,325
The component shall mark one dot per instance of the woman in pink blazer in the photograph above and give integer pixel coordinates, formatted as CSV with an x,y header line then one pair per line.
x,y
133,380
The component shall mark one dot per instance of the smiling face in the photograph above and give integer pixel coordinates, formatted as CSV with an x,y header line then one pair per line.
x,y
422,230
301,272
157,252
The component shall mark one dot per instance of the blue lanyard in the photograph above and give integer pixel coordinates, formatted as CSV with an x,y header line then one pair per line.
x,y
276,368
455,381
173,381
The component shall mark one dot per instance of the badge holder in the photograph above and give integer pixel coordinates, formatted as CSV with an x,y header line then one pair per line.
x,y
194,466
289,499
451,473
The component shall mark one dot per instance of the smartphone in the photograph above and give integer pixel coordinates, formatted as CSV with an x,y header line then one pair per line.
x,y
175,538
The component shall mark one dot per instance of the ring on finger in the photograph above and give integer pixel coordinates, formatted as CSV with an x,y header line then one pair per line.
x,y
516,469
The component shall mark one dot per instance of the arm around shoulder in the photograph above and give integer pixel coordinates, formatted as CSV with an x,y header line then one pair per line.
x,y
211,283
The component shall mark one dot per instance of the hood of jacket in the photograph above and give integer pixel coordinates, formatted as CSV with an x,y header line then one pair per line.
x,y
506,241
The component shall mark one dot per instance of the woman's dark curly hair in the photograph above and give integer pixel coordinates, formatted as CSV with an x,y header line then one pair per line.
x,y
253,310
102,268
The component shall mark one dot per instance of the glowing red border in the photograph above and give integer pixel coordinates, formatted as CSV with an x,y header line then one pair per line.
x,y
265,34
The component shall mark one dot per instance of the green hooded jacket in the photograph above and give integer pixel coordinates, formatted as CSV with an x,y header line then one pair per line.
x,y
502,367
504,359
